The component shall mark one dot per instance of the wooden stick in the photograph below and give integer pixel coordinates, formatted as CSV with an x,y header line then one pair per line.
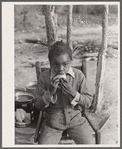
x,y
84,63
98,137
35,41
69,26
101,61
38,71
37,127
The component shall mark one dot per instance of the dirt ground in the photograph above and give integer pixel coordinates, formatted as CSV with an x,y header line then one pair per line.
x,y
26,54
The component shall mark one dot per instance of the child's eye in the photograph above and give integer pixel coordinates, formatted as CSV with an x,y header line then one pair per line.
x,y
65,64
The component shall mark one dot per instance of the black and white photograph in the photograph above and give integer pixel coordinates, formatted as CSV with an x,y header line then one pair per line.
x,y
61,74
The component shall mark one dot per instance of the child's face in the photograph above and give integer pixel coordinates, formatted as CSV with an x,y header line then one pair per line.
x,y
61,63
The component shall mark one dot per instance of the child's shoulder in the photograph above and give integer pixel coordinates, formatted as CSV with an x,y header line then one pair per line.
x,y
76,70
45,74
78,73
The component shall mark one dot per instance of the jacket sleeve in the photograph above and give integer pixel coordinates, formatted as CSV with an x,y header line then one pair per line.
x,y
43,97
83,96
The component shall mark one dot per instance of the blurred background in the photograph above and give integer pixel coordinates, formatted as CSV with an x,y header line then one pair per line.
x,y
31,18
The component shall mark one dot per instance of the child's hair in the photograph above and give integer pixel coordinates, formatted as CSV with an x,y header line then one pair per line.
x,y
59,48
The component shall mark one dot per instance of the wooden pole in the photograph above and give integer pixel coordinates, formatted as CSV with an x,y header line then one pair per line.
x,y
38,69
101,61
36,134
84,64
69,26
50,21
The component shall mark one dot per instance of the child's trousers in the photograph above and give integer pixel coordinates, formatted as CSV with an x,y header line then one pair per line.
x,y
81,134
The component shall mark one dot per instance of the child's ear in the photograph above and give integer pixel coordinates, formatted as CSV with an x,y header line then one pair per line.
x,y
50,64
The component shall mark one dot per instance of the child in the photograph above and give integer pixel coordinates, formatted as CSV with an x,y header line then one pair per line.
x,y
61,93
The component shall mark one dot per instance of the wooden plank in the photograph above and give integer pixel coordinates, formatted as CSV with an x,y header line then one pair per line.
x,y
85,55
101,62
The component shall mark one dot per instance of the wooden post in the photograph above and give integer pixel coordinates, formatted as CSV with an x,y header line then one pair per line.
x,y
50,21
98,137
38,69
84,64
101,62
69,26
36,134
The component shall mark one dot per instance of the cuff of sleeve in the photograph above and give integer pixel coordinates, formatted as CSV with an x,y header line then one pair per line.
x,y
76,99
46,103
47,98
54,98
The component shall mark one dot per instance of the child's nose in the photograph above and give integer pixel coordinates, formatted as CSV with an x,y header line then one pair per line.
x,y
61,68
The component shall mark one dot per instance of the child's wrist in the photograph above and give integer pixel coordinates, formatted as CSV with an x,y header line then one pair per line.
x,y
74,94
51,93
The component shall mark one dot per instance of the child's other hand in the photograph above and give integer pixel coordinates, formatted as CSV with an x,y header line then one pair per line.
x,y
67,88
53,85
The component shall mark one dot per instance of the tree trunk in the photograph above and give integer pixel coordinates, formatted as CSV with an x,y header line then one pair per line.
x,y
101,62
69,26
51,24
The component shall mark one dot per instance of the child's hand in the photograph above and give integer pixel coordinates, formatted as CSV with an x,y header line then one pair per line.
x,y
67,88
53,85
